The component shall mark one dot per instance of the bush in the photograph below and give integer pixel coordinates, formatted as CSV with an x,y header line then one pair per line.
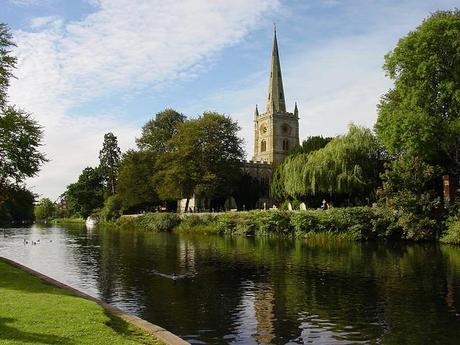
x,y
204,224
158,222
453,233
111,209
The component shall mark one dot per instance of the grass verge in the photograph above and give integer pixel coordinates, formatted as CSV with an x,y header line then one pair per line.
x,y
33,312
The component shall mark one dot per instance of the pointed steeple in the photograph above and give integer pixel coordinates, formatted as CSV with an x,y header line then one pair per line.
x,y
296,110
276,101
256,112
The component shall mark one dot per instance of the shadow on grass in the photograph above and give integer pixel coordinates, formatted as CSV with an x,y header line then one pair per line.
x,y
129,331
9,333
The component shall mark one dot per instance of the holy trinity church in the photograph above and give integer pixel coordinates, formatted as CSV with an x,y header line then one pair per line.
x,y
275,132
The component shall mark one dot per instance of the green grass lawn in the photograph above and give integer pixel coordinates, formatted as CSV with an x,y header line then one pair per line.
x,y
32,312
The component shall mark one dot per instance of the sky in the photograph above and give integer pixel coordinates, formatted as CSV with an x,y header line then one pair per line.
x,y
88,67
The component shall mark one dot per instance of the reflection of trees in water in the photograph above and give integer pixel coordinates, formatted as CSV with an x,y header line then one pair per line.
x,y
395,293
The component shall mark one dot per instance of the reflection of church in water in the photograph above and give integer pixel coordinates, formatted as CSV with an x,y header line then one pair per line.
x,y
275,132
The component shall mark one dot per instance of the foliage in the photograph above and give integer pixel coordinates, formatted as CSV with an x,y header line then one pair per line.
x,y
45,210
204,159
20,138
247,192
452,235
109,161
112,208
348,165
7,62
20,135
34,312
158,222
421,115
410,190
136,189
19,205
353,223
87,194
277,187
312,143
157,132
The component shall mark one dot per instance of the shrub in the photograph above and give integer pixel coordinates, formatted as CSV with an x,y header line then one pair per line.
x,y
453,233
111,209
157,222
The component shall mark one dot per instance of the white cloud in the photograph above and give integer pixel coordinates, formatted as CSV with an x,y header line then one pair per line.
x,y
123,45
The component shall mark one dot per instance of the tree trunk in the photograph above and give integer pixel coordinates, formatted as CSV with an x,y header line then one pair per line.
x,y
186,204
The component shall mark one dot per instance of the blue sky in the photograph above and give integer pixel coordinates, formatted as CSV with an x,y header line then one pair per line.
x,y
87,67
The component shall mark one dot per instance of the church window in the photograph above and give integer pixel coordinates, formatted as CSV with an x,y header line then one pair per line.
x,y
263,146
285,145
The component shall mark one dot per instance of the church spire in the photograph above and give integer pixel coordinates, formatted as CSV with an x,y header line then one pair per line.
x,y
276,101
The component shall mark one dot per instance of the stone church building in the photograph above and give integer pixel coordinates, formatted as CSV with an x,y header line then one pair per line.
x,y
275,132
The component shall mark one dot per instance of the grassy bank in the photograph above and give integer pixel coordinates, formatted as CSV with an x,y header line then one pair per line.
x,y
68,221
32,312
355,223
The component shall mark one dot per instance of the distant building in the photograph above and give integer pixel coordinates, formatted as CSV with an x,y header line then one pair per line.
x,y
276,131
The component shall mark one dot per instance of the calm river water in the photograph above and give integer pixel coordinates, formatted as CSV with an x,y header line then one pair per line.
x,y
257,291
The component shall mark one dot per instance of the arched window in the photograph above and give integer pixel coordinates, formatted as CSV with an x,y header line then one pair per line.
x,y
285,145
263,146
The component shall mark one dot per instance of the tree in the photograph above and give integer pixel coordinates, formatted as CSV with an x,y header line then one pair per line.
x,y
203,159
87,194
20,135
309,145
349,165
18,206
421,115
109,158
410,189
136,189
7,62
45,210
20,138
157,132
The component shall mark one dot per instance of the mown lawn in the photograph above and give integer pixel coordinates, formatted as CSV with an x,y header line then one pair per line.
x,y
32,312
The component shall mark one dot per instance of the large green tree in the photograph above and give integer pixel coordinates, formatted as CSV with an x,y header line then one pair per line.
x,y
349,165
18,206
312,143
20,135
7,62
421,115
158,131
44,210
203,159
87,194
109,161
136,189
411,191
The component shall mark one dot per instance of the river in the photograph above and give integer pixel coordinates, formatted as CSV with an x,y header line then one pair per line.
x,y
238,290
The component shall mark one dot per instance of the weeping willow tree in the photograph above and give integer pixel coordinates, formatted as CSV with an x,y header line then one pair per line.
x,y
349,166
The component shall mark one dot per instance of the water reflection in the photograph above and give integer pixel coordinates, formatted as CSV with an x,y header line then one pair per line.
x,y
219,290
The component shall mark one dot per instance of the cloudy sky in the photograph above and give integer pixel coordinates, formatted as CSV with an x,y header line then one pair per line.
x,y
88,67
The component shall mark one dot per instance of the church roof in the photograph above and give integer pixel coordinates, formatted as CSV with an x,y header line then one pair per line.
x,y
276,102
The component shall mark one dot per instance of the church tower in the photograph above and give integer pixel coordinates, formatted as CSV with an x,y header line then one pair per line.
x,y
276,130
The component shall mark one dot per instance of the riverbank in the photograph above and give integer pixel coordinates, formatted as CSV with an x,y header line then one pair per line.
x,y
354,223
68,221
35,309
